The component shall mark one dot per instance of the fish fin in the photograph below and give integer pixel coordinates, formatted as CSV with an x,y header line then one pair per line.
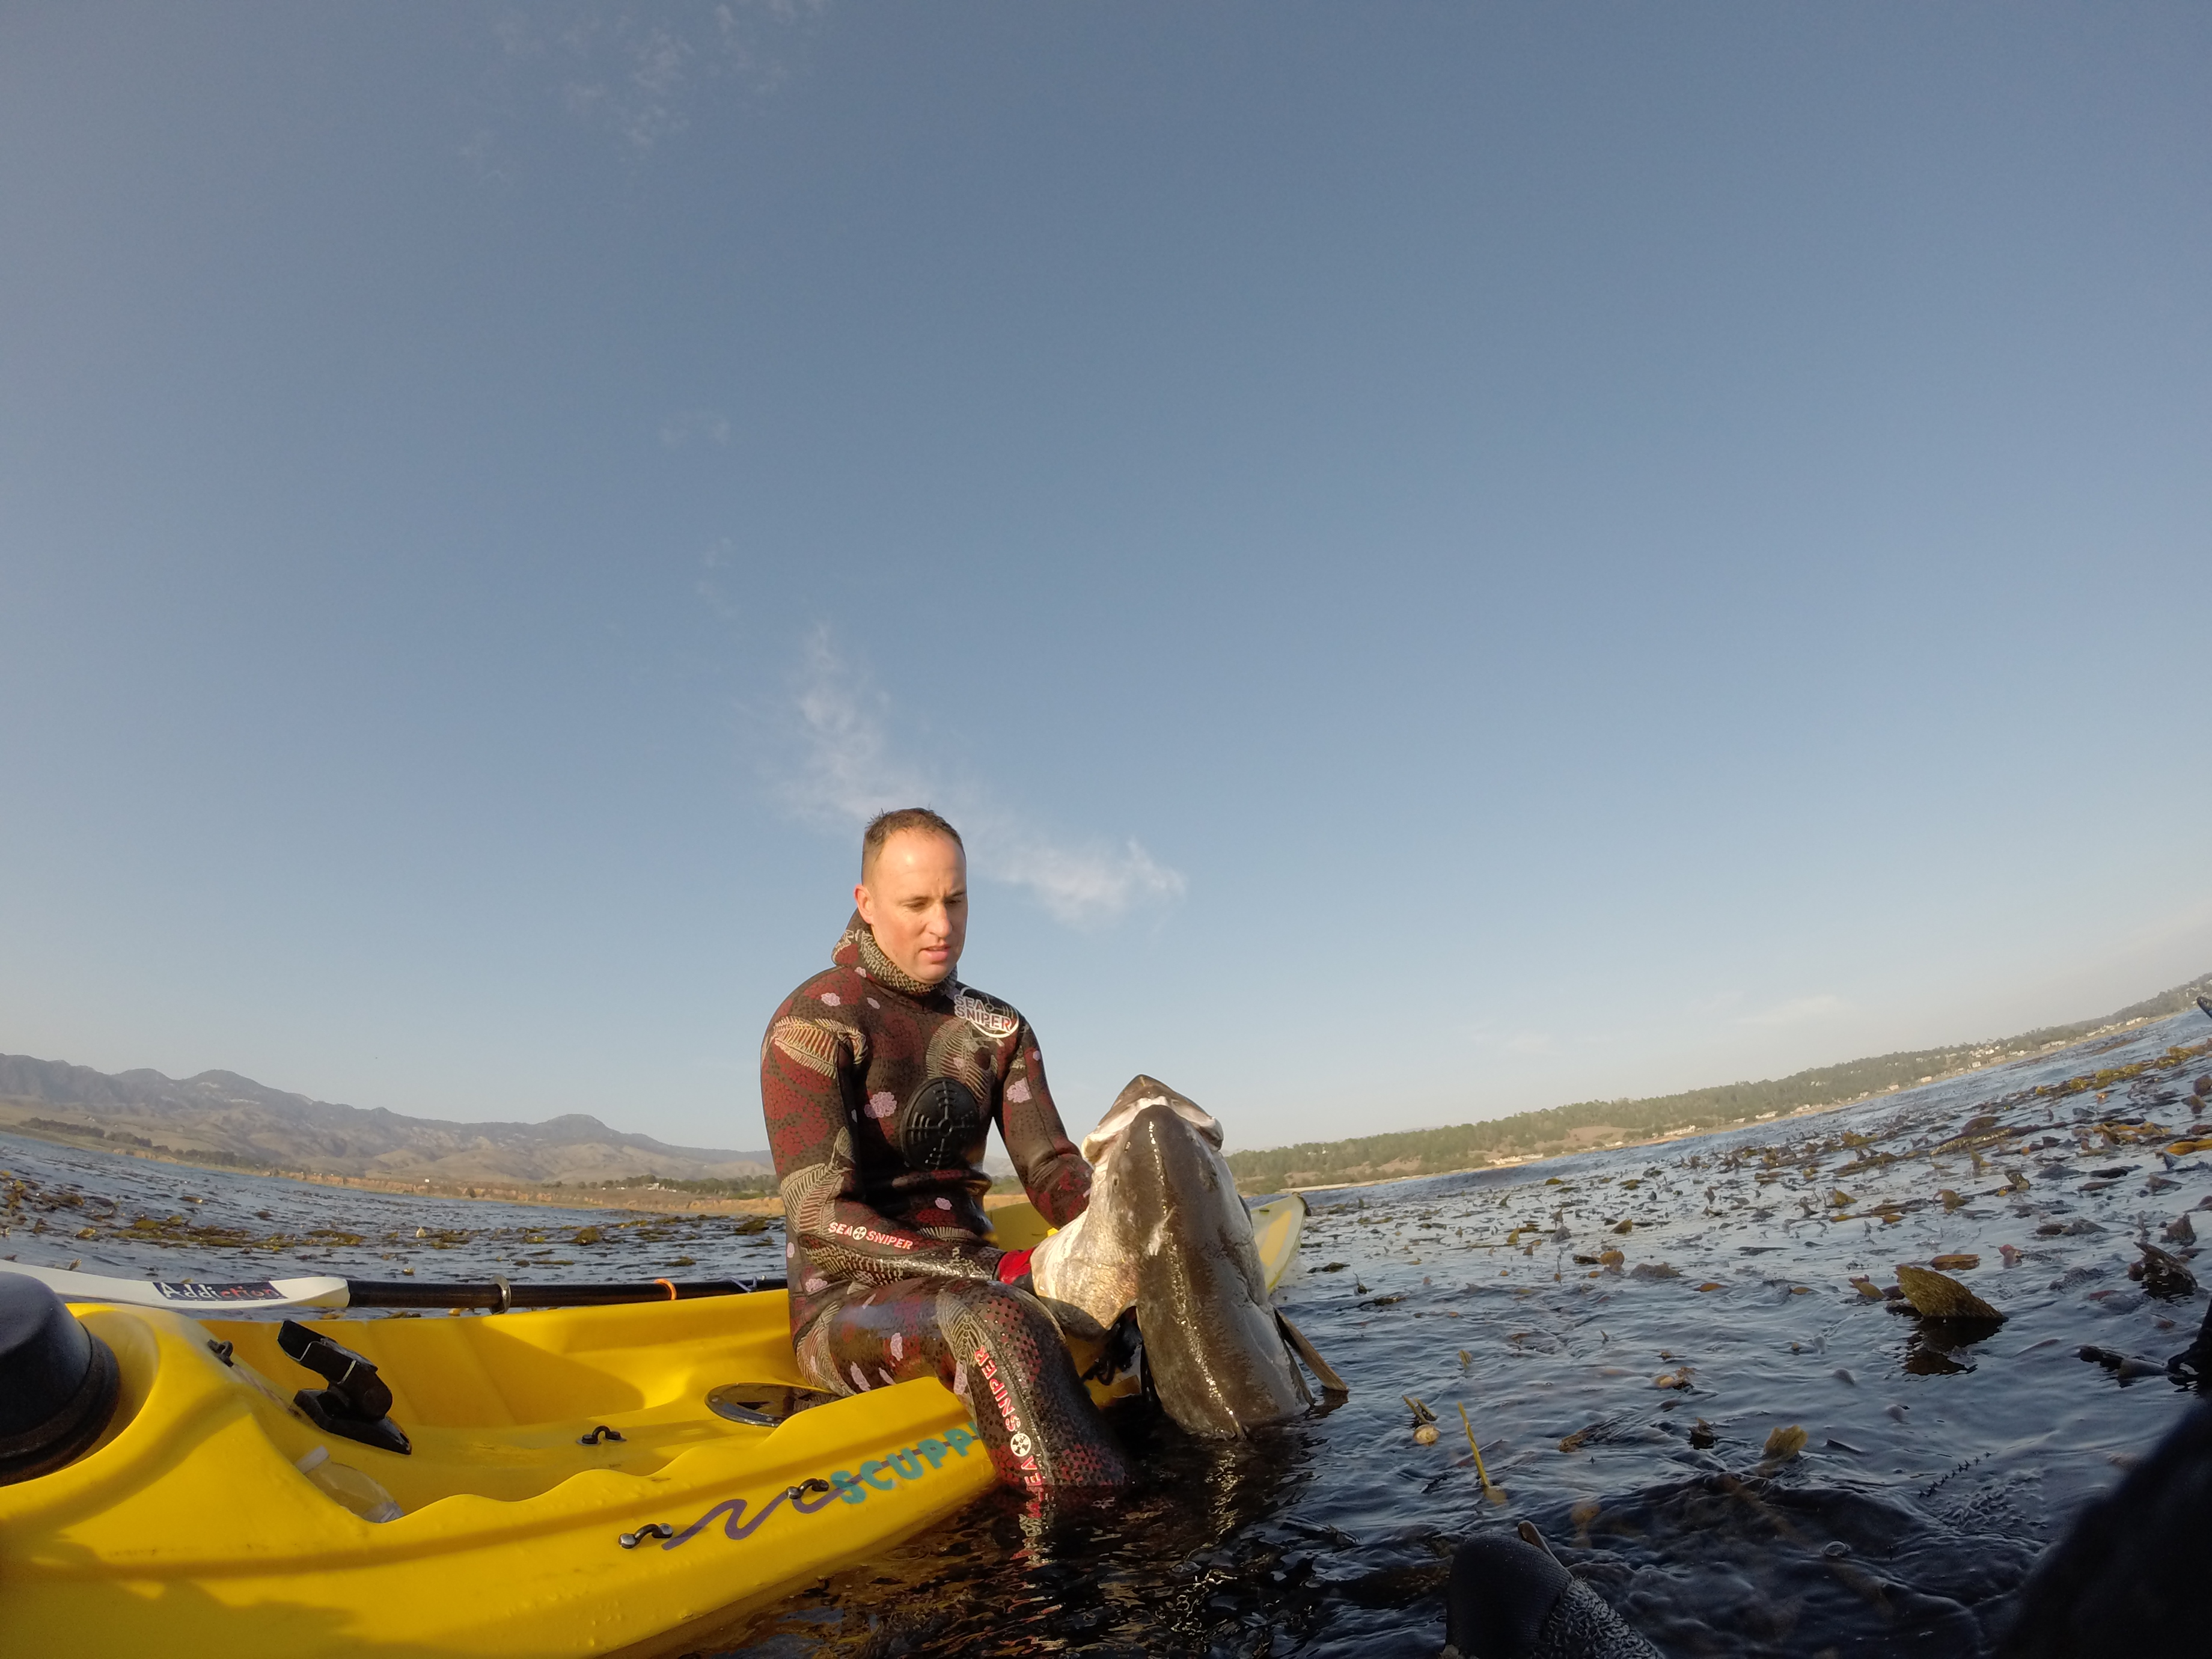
x,y
1530,1535
1330,1382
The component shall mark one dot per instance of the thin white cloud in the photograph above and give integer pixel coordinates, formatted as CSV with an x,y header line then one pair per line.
x,y
710,586
1798,1011
639,75
707,425
848,769
1483,1035
1076,884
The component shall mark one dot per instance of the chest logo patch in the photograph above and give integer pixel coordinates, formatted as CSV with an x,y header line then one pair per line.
x,y
995,1020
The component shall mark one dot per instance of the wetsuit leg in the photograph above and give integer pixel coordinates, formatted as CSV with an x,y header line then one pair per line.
x,y
995,1348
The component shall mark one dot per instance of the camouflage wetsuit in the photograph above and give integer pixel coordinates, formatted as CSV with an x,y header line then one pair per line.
x,y
880,1093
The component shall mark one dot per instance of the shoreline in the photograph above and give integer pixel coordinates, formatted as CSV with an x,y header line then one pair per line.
x,y
634,1199
666,1201
1698,1133
658,1200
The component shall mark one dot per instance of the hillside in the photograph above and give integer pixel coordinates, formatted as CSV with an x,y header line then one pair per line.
x,y
220,1118
1608,1123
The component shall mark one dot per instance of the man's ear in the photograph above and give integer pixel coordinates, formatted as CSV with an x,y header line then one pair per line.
x,y
865,904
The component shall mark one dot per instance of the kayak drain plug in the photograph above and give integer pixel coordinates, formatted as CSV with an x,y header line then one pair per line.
x,y
357,1403
59,1381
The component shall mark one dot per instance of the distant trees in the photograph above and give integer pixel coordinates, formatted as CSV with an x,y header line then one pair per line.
x,y
1471,1145
750,1186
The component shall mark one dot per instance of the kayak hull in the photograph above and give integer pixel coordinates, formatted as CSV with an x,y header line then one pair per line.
x,y
190,1528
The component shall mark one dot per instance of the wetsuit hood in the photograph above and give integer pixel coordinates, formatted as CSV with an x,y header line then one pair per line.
x,y
857,948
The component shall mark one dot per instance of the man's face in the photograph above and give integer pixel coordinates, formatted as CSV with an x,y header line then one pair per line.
x,y
914,898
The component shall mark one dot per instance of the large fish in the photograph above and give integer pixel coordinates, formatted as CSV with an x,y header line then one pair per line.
x,y
1167,1235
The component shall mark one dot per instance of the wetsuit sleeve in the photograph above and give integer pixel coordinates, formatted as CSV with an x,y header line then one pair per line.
x,y
1052,1171
808,1064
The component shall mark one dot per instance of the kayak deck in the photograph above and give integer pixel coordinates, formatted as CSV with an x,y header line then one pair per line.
x,y
191,1527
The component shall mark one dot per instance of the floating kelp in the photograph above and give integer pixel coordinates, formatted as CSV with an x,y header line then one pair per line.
x,y
2161,1275
1580,1437
1496,1494
1784,1444
2126,1367
1936,1296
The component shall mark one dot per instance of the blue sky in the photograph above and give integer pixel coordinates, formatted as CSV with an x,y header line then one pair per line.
x,y
1448,559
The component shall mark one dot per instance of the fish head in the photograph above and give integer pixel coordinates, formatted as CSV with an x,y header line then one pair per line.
x,y
1142,1091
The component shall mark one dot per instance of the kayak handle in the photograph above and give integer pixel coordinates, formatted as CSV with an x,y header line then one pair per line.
x,y
630,1540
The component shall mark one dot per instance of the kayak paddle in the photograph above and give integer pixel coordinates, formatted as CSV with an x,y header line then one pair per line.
x,y
266,1294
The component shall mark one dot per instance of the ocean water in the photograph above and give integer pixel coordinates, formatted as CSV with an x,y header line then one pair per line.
x,y
1625,1407
107,1212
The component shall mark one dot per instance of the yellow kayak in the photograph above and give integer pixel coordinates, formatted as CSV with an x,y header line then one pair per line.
x,y
581,1480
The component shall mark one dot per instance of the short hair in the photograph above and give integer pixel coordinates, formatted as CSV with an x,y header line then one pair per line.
x,y
881,827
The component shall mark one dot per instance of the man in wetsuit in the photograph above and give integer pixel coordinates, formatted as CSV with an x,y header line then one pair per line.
x,y
881,1078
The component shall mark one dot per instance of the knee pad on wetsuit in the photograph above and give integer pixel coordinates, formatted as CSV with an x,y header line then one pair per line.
x,y
1035,1417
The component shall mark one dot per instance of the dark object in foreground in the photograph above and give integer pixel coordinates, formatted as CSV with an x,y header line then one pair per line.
x,y
1510,1598
2194,1363
2125,1579
58,1382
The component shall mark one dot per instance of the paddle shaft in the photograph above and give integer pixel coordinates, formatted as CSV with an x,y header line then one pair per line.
x,y
498,1294
203,1297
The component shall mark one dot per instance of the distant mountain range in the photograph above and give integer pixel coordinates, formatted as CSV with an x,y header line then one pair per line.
x,y
222,1118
